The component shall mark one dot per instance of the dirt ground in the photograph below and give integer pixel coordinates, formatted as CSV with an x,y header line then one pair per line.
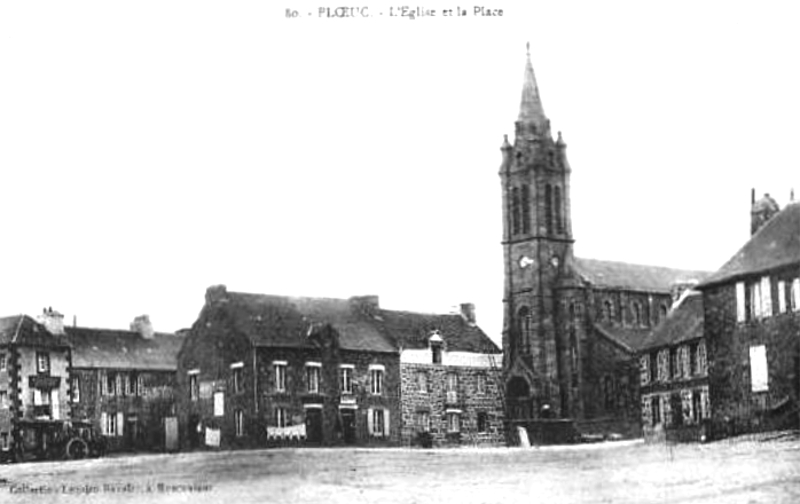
x,y
746,470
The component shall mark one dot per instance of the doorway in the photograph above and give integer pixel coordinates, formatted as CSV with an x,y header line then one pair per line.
x,y
314,425
349,425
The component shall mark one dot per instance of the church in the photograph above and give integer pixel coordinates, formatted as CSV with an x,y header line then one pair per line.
x,y
572,326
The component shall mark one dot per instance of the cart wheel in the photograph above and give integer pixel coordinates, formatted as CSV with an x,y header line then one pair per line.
x,y
77,449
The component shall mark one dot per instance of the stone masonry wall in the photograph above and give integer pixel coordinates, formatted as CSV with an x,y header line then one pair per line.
x,y
469,402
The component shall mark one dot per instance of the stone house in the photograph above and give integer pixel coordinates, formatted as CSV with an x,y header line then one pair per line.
x,y
123,381
35,359
572,326
675,401
450,374
752,321
260,370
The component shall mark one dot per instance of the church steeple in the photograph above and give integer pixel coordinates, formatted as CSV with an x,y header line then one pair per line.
x,y
530,108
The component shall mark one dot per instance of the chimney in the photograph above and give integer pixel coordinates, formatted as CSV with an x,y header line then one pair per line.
x,y
143,326
216,293
468,312
762,211
52,320
368,304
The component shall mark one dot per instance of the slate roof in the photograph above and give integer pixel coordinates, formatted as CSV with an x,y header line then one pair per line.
x,y
684,323
628,338
120,349
775,244
270,320
412,330
24,330
637,277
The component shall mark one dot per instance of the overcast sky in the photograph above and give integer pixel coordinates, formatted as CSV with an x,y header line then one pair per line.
x,y
151,149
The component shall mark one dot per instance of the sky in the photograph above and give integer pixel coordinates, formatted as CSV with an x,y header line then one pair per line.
x,y
150,149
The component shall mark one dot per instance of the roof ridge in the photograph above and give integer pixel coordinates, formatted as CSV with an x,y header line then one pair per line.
x,y
614,261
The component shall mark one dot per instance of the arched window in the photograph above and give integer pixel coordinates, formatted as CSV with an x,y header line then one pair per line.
x,y
557,209
515,211
637,314
526,210
608,310
548,208
524,329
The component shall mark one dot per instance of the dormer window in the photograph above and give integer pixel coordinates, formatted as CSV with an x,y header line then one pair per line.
x,y
436,342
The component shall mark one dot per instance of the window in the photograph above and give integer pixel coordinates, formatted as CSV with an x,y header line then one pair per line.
x,y
422,382
111,423
676,406
663,365
526,210
238,417
3,399
644,369
637,314
376,380
452,387
346,379
453,422
608,310
312,377
647,411
4,441
740,302
134,382
663,311
697,406
110,383
702,362
140,385
759,376
525,329
481,383
219,403
686,369
2,361
760,299
194,389
548,208
41,397
237,370
796,294
280,376
655,408
42,362
423,421
654,368
280,417
119,384
515,214
75,387
378,422
436,350
675,364
781,296
557,212
483,421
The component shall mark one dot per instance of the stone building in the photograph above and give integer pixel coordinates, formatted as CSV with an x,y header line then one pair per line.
x,y
450,373
35,360
260,370
674,375
124,383
752,321
572,326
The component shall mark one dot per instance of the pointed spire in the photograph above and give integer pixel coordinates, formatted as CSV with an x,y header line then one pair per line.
x,y
530,109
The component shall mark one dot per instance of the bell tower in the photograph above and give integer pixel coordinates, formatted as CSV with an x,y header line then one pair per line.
x,y
537,246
